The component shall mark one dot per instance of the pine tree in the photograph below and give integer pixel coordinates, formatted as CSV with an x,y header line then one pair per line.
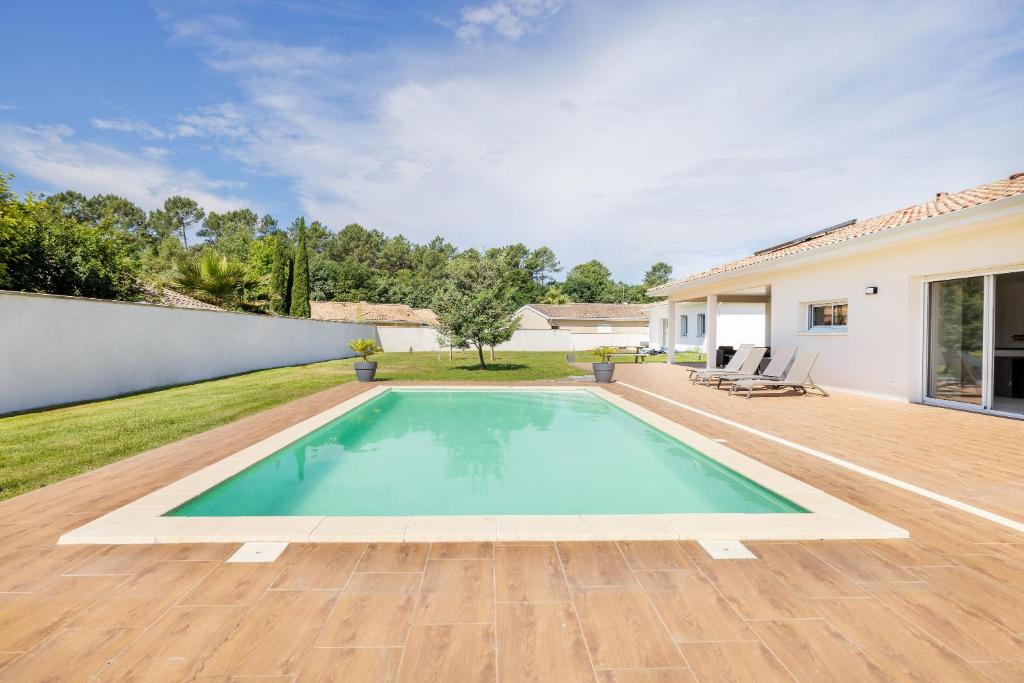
x,y
299,306
280,276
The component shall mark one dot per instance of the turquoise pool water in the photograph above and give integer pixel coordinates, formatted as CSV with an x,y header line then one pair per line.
x,y
437,452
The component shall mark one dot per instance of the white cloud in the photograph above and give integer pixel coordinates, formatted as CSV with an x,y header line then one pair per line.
x,y
130,126
658,131
509,18
53,154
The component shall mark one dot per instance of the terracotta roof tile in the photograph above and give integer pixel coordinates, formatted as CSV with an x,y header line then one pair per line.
x,y
942,204
363,312
592,311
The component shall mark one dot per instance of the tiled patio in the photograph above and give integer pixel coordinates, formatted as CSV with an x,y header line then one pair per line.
x,y
946,605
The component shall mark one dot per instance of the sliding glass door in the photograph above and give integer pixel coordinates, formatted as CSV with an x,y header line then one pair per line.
x,y
956,340
976,342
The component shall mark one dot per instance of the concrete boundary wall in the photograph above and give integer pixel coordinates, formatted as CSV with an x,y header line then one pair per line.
x,y
425,339
58,349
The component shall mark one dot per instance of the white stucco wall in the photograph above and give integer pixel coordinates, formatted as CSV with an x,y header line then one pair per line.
x,y
738,323
882,351
57,350
425,339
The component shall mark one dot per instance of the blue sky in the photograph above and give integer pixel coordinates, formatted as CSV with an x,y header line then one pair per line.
x,y
691,132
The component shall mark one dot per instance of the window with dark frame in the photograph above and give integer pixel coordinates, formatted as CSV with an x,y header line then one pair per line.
x,y
684,325
702,326
829,315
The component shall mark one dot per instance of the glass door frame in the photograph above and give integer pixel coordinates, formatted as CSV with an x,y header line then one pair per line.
x,y
987,340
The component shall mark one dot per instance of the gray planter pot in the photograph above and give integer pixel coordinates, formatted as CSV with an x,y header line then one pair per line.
x,y
603,372
365,370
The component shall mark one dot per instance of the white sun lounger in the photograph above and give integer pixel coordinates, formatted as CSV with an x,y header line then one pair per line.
x,y
776,369
732,366
797,377
748,367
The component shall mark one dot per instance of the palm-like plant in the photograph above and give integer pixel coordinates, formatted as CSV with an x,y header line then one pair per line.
x,y
209,275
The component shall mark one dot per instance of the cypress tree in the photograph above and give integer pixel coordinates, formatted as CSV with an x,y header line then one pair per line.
x,y
280,276
299,307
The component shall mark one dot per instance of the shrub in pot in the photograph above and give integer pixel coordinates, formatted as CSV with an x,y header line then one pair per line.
x,y
604,369
366,368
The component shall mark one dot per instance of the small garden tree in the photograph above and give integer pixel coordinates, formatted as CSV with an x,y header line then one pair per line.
x,y
476,304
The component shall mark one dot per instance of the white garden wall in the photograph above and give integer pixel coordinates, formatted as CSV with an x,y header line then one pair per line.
x,y
56,349
425,339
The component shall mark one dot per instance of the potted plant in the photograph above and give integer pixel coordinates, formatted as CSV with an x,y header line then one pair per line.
x,y
365,369
603,370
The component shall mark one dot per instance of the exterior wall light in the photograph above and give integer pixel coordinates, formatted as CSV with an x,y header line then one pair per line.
x,y
871,290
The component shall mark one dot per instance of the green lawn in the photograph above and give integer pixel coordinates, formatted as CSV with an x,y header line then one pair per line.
x,y
681,357
40,448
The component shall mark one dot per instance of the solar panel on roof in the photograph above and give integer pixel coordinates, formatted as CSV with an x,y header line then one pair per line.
x,y
806,238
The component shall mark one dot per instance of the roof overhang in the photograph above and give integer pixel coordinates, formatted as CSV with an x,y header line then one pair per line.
x,y
964,219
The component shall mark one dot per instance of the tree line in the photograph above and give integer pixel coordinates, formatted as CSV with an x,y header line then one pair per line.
x,y
108,247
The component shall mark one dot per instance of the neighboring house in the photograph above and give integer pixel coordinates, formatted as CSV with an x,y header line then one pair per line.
x,y
397,315
925,303
608,324
739,322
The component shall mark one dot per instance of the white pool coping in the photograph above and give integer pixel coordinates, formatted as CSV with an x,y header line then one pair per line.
x,y
142,520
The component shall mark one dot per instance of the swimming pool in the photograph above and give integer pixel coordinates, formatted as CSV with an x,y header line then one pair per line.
x,y
432,463
464,452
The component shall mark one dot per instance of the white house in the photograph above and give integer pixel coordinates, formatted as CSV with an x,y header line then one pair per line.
x,y
589,324
925,303
739,322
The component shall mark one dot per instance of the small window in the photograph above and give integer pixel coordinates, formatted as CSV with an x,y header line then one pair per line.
x,y
554,327
684,325
604,329
830,315
702,324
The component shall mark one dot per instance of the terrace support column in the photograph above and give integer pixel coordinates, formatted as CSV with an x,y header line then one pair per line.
x,y
711,328
671,341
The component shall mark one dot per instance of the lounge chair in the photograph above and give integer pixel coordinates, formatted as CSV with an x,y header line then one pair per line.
x,y
732,366
776,369
749,365
797,377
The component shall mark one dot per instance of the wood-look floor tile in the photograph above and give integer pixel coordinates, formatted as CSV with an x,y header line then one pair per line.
x,y
898,648
529,573
691,607
118,559
959,628
646,676
990,598
444,653
199,552
623,630
461,551
140,600
1002,672
316,565
235,583
541,642
27,619
186,636
274,637
754,591
362,664
804,573
813,650
68,655
394,557
908,553
595,563
643,555
1006,570
457,592
374,610
43,566
857,562
734,662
